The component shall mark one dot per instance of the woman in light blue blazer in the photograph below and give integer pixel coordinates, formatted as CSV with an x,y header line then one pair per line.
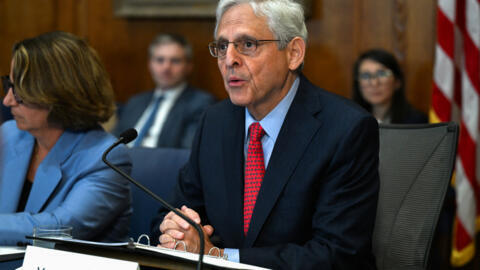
x,y
51,171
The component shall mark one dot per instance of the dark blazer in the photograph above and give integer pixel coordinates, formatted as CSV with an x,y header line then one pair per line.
x,y
413,116
182,120
316,207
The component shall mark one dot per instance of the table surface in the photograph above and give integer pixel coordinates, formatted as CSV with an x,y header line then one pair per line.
x,y
8,253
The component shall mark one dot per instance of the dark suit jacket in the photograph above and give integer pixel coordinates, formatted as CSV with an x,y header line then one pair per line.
x,y
413,116
316,207
182,120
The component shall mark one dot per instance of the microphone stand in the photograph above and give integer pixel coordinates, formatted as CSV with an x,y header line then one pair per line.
x,y
164,203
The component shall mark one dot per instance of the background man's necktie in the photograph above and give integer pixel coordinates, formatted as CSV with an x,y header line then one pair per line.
x,y
254,172
148,124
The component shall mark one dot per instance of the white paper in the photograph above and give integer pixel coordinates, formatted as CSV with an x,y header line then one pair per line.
x,y
6,250
52,259
194,257
100,244
176,253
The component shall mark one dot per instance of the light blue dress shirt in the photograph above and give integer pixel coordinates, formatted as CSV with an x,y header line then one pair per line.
x,y
271,123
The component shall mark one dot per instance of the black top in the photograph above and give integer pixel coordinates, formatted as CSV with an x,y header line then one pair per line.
x,y
413,116
27,186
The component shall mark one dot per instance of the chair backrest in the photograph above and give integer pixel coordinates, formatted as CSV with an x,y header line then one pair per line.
x,y
157,169
416,164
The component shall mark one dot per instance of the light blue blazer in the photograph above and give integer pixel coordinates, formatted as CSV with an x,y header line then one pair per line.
x,y
72,186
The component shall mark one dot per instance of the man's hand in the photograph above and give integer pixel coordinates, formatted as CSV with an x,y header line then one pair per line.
x,y
175,229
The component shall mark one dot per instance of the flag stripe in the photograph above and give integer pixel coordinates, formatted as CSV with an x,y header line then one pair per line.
x,y
441,105
455,96
445,34
471,62
447,7
443,73
473,25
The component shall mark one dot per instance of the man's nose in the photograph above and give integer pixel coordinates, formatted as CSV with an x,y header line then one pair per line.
x,y
232,56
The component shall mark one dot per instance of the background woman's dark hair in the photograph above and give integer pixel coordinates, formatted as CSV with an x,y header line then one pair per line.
x,y
399,102
62,73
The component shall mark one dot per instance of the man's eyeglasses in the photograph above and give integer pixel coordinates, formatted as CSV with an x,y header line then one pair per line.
x,y
381,75
7,84
245,46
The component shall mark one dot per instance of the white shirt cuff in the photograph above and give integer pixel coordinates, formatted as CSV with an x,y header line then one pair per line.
x,y
233,254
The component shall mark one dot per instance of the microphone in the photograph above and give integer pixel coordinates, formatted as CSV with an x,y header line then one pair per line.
x,y
126,137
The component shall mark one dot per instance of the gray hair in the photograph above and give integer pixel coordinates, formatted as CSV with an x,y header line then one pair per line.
x,y
284,17
164,38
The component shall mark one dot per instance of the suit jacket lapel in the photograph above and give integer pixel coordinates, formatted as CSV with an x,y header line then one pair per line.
x,y
49,172
174,117
297,131
136,110
15,173
234,135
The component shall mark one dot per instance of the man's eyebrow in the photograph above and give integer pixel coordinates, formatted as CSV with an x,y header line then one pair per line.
x,y
245,37
240,37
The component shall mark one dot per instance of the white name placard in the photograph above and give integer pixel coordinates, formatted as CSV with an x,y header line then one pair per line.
x,y
37,258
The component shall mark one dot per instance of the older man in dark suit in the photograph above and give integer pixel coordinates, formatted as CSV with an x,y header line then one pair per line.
x,y
168,115
283,174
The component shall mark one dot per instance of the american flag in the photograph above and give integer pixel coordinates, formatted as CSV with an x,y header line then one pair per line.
x,y
456,90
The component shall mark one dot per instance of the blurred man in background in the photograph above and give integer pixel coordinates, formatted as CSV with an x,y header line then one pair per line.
x,y
168,115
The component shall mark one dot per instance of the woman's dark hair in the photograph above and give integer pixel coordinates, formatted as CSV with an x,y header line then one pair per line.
x,y
399,102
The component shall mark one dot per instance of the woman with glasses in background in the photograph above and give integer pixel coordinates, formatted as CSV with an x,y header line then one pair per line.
x,y
378,86
51,171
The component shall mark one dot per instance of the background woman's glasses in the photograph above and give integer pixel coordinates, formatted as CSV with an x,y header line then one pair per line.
x,y
7,85
381,75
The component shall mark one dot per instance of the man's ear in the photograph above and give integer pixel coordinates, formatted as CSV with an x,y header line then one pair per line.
x,y
295,52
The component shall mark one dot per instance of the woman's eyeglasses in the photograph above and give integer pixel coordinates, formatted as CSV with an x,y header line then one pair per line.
x,y
381,75
7,84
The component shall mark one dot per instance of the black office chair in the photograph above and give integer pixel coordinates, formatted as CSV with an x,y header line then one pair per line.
x,y
416,164
157,169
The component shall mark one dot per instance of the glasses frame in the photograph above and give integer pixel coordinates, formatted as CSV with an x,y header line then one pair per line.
x,y
7,84
375,76
213,46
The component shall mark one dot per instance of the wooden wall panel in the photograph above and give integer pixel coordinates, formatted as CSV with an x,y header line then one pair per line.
x,y
123,45
18,21
330,47
339,30
373,25
420,52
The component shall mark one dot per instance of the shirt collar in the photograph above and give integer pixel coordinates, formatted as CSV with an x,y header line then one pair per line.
x,y
272,122
170,92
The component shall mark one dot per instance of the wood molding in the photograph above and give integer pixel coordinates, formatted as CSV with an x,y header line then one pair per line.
x,y
399,27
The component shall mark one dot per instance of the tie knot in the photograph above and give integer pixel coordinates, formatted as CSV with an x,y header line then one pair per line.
x,y
256,132
157,99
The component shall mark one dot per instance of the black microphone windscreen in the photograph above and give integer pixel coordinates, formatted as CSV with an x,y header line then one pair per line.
x,y
128,135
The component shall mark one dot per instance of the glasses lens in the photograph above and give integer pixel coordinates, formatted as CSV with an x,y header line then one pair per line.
x,y
365,76
383,73
247,46
212,47
7,85
222,47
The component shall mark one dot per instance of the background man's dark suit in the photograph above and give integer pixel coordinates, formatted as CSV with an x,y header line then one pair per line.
x,y
182,120
316,207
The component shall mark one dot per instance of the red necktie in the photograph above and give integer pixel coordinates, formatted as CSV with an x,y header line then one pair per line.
x,y
254,172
